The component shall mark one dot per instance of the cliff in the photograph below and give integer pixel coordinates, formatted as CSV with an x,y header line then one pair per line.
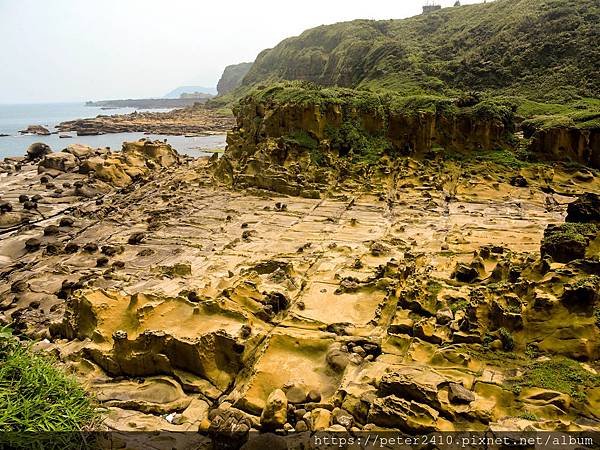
x,y
287,136
232,77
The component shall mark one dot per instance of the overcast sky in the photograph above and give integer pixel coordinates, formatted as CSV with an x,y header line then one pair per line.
x,y
72,50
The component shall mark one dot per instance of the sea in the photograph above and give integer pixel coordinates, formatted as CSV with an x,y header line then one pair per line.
x,y
14,118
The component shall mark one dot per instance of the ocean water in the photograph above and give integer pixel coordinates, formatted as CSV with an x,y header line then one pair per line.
x,y
18,117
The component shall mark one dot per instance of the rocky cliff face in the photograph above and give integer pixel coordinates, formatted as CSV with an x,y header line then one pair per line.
x,y
232,77
581,145
292,139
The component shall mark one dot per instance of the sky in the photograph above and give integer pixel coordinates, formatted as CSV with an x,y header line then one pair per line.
x,y
78,50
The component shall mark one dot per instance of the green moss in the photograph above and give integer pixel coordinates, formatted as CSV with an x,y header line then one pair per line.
x,y
459,305
557,374
505,157
508,343
433,289
353,141
528,416
577,232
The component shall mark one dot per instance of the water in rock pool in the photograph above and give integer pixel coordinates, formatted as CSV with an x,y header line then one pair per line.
x,y
14,118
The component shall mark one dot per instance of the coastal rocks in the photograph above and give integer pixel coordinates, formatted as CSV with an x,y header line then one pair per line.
x,y
300,148
36,129
118,169
274,415
80,151
38,150
406,415
189,121
63,162
567,242
458,394
585,209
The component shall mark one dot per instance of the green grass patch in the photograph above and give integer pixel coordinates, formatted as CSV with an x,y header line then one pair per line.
x,y
36,396
557,374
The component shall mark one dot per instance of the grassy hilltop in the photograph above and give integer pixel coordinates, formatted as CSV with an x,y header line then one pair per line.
x,y
545,50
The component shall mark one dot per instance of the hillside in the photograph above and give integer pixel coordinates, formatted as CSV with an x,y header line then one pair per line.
x,y
546,50
232,77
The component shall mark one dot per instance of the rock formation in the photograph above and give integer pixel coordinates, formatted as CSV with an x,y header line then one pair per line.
x,y
411,297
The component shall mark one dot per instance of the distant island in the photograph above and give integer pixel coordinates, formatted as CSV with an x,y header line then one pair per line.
x,y
153,103
187,90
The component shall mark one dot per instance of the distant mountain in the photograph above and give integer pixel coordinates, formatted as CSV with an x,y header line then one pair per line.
x,y
176,93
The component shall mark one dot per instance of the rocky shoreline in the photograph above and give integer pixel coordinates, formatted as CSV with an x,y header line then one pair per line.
x,y
421,296
191,121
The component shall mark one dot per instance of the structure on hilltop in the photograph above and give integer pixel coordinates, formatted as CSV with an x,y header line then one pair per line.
x,y
431,6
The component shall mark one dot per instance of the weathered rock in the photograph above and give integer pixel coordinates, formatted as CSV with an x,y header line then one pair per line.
x,y
320,419
36,129
519,181
409,416
297,393
419,384
567,242
38,150
80,151
32,244
274,414
63,162
465,274
458,394
585,209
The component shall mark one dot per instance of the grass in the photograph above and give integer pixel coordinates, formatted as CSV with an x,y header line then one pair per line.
x,y
557,374
36,396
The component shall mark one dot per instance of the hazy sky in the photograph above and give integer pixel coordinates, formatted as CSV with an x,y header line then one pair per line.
x,y
71,50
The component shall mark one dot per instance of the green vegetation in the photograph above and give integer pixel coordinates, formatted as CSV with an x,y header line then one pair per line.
x,y
459,305
36,396
557,374
508,343
528,416
433,287
576,232
543,50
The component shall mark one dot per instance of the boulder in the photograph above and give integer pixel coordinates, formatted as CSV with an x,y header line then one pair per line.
x,y
407,415
567,242
38,150
274,414
320,419
585,209
80,151
36,129
297,393
414,383
457,393
63,162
